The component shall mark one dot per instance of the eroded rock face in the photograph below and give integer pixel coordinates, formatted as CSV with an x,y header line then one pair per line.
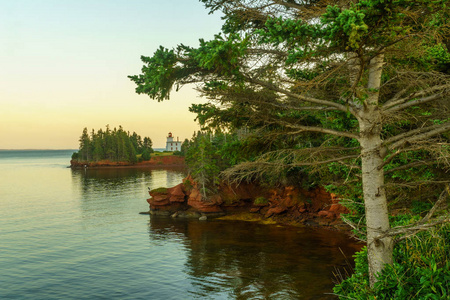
x,y
210,205
289,202
166,201
176,194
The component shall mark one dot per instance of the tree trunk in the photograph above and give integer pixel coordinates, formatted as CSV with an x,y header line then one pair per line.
x,y
375,202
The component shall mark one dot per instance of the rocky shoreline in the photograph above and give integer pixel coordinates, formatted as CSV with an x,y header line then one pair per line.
x,y
154,162
251,202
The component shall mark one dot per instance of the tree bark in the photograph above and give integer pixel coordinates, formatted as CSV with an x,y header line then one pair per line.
x,y
375,202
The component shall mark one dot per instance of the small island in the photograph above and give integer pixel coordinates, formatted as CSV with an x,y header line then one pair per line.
x,y
119,148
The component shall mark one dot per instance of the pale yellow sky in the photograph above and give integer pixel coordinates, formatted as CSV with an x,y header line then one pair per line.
x,y
64,66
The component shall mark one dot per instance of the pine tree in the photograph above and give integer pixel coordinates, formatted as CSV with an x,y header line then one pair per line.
x,y
85,146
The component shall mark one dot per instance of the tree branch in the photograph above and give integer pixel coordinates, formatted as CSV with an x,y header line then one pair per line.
x,y
247,170
412,229
416,135
395,101
422,224
442,197
415,102
321,130
288,4
356,228
390,158
266,51
291,107
410,165
415,184
300,97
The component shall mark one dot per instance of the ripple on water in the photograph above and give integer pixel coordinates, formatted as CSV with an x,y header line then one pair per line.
x,y
77,234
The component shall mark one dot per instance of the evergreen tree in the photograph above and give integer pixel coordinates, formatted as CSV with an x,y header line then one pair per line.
x,y
203,163
85,146
137,142
184,147
147,144
146,155
114,145
365,75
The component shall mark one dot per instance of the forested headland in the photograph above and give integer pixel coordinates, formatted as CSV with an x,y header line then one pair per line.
x,y
351,95
115,145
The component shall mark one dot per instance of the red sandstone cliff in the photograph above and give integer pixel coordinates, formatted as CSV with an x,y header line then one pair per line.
x,y
289,204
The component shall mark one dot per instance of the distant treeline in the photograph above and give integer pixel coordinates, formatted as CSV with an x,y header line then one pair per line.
x,y
113,145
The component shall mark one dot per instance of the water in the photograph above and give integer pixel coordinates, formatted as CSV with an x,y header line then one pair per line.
x,y
77,234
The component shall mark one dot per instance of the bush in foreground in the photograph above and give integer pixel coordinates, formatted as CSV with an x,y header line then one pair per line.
x,y
421,270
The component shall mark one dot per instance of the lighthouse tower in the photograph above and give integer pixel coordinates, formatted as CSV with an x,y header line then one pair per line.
x,y
172,145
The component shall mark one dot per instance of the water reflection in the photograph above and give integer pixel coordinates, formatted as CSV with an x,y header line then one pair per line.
x,y
109,179
114,196
242,260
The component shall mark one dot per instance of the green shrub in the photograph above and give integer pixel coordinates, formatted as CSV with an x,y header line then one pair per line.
x,y
421,270
261,201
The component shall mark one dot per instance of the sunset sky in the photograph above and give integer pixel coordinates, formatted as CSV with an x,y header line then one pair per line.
x,y
64,66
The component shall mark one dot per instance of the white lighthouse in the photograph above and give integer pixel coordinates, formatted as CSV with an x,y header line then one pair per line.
x,y
172,145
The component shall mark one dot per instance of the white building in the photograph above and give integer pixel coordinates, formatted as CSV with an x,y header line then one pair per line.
x,y
172,145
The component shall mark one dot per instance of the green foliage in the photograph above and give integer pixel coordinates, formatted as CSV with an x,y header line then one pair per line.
x,y
188,185
146,155
290,32
261,201
184,147
221,54
113,145
437,55
429,57
160,190
421,270
85,152
345,22
158,75
75,156
419,207
204,161
403,219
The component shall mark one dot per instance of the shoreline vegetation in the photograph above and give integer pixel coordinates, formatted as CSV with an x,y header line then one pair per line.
x,y
168,160
115,146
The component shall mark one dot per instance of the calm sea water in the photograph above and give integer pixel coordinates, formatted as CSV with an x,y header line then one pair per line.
x,y
77,234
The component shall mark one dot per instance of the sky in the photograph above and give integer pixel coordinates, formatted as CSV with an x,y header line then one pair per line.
x,y
64,66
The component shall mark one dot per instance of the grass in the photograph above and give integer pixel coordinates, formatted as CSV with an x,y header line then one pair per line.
x,y
165,153
161,190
